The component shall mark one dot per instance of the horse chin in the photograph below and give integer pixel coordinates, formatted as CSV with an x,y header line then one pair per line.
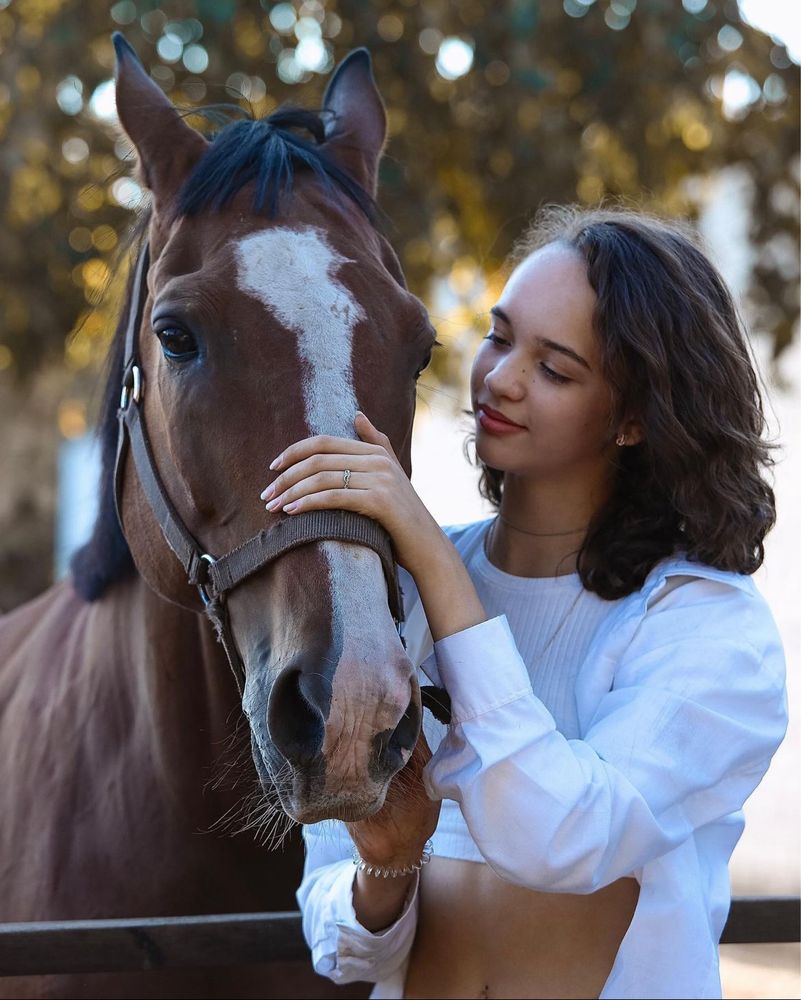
x,y
348,811
303,797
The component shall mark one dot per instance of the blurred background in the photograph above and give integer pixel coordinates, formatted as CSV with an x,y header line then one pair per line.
x,y
686,107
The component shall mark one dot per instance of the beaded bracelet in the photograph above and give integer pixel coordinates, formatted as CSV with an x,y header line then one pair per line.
x,y
379,872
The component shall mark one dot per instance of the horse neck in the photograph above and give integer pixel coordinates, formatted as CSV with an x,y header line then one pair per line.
x,y
179,680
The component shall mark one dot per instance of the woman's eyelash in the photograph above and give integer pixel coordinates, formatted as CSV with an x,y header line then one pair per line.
x,y
548,372
551,374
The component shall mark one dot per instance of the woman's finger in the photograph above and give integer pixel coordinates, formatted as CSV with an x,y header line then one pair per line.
x,y
367,431
320,482
336,499
321,444
316,463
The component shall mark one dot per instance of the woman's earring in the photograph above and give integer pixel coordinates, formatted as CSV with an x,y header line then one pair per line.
x,y
620,440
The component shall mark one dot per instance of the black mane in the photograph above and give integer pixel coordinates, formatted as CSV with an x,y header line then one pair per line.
x,y
266,152
106,558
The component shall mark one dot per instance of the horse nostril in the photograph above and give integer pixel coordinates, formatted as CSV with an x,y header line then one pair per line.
x,y
391,749
295,718
408,729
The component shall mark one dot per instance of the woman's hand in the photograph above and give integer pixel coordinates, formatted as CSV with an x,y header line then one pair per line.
x,y
393,838
396,835
312,477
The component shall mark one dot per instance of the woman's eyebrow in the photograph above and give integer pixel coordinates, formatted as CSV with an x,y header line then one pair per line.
x,y
552,344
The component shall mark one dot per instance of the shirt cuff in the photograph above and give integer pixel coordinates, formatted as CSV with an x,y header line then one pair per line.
x,y
481,669
356,946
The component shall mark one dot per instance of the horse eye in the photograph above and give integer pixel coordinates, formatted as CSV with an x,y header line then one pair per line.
x,y
177,344
423,366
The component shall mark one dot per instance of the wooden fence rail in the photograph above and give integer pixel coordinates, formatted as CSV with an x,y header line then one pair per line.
x,y
79,946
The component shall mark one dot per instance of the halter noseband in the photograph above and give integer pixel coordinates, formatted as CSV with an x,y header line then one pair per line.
x,y
215,577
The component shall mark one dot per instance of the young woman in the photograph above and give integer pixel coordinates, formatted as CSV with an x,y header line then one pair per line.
x,y
616,681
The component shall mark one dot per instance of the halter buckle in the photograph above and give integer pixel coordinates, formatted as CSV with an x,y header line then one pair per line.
x,y
131,387
201,587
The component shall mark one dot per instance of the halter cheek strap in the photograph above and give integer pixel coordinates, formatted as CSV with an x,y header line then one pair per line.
x,y
215,577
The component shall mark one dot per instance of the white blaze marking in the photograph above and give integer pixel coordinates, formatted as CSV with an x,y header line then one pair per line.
x,y
294,274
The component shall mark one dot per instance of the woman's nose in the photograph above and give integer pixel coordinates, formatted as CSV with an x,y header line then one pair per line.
x,y
507,379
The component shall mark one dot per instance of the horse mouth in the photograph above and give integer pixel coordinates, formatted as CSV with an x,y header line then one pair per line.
x,y
303,795
350,811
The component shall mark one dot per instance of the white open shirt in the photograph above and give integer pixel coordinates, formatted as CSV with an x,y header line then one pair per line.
x,y
681,703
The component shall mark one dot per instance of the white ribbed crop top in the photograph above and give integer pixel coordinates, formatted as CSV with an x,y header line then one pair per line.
x,y
553,621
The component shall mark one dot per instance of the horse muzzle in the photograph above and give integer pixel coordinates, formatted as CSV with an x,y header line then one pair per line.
x,y
331,745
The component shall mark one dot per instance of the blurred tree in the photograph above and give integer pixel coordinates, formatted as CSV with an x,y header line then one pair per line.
x,y
494,109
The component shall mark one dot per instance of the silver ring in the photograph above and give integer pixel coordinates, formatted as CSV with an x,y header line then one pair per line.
x,y
346,479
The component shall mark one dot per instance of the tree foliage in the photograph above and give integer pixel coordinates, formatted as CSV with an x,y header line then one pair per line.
x,y
563,101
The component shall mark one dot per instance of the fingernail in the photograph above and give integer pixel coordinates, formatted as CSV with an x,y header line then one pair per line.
x,y
273,504
290,508
268,492
275,463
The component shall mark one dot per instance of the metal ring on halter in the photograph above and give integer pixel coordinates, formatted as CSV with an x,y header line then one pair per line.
x,y
133,391
204,594
136,392
346,479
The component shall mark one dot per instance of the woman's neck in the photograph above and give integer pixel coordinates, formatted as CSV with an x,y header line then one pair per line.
x,y
540,527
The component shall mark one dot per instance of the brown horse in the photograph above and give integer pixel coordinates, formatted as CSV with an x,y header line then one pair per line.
x,y
271,309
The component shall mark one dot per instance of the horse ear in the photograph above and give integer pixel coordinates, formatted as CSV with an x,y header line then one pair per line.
x,y
166,146
357,126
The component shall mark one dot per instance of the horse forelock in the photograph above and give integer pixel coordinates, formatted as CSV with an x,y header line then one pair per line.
x,y
266,152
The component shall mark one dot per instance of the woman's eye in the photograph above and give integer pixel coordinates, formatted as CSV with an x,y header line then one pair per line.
x,y
552,375
177,344
493,336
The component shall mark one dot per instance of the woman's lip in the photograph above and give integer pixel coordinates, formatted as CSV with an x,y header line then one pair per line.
x,y
496,425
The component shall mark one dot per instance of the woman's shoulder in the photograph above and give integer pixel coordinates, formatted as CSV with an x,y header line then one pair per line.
x,y
691,632
464,535
684,598
691,581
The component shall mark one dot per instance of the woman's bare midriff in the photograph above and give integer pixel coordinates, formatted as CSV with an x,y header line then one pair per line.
x,y
479,936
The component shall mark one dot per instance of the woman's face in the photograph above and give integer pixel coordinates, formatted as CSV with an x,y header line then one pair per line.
x,y
540,368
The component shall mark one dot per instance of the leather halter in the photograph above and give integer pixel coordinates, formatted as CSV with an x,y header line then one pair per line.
x,y
216,576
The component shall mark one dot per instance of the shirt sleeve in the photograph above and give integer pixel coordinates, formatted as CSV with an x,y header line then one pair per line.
x,y
341,948
697,707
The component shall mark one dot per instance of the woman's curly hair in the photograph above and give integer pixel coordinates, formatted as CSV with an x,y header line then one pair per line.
x,y
677,359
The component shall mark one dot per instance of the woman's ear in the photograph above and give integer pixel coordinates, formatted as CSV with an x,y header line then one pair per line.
x,y
629,432
167,148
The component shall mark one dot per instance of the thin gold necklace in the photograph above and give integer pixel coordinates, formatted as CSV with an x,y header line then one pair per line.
x,y
541,534
489,535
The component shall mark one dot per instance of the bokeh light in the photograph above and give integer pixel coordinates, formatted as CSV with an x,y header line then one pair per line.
x,y
103,102
454,58
69,95
196,59
75,150
283,17
740,90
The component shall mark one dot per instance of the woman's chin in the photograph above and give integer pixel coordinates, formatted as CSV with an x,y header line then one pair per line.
x,y
492,452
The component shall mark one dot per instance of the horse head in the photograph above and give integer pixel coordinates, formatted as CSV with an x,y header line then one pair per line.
x,y
273,309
